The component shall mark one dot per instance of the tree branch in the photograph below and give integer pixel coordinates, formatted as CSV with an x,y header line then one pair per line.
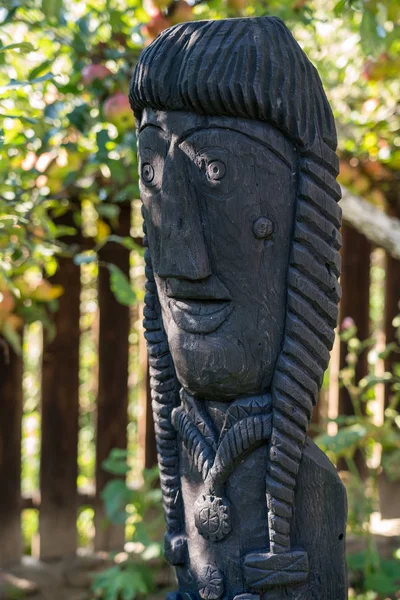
x,y
378,227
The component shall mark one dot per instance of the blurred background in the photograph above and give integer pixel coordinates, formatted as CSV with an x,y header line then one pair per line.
x,y
80,514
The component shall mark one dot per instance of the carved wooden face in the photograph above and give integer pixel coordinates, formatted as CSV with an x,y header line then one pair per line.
x,y
219,197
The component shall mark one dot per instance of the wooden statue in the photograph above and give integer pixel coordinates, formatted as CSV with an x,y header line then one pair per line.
x,y
237,175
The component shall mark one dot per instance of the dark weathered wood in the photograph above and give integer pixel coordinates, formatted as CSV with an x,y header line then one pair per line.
x,y
355,282
60,413
11,367
32,501
389,491
237,178
392,294
112,397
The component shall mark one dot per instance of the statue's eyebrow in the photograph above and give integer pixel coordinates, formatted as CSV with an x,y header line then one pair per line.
x,y
277,152
149,124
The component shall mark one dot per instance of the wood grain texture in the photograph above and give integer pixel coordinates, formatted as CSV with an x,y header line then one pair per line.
x,y
112,396
11,369
60,414
238,174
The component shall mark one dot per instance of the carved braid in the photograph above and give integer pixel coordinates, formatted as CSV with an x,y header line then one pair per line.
x,y
165,397
312,296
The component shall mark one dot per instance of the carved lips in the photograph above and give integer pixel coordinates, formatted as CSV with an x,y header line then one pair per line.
x,y
199,316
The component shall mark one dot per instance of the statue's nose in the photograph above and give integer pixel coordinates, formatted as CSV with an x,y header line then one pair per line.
x,y
183,251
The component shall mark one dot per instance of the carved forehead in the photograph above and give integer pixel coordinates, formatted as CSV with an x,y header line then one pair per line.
x,y
179,124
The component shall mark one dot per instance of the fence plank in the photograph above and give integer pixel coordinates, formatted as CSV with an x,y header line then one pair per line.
x,y
147,439
112,399
392,296
60,414
355,281
10,454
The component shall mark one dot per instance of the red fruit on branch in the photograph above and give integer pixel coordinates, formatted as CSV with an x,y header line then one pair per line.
x,y
116,110
94,71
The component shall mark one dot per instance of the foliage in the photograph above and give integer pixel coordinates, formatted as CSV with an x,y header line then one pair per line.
x,y
133,507
68,139
378,443
68,164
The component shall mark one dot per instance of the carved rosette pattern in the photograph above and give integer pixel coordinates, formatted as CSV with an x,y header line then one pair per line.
x,y
211,583
212,518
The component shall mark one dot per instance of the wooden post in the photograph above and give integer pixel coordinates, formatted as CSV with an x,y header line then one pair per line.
x,y
147,438
112,400
392,296
11,367
60,412
355,281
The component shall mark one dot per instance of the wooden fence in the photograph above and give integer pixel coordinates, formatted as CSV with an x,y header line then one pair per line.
x,y
58,498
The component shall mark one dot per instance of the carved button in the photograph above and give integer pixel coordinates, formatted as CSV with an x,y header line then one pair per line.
x,y
263,228
212,518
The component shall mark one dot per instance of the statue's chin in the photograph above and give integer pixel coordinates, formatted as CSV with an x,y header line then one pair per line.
x,y
216,367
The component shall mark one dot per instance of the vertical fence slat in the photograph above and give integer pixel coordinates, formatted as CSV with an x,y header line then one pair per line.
x,y
147,439
112,399
10,454
392,294
355,281
60,417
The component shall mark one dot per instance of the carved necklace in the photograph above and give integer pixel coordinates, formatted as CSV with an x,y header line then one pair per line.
x,y
247,426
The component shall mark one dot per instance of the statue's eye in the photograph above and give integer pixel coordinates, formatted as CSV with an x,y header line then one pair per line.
x,y
216,170
147,173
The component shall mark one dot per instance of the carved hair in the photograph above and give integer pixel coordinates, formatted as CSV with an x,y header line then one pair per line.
x,y
254,68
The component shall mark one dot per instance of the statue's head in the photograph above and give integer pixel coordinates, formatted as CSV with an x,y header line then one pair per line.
x,y
222,107
237,174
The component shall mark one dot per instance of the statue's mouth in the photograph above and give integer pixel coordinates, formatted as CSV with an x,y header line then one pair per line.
x,y
200,316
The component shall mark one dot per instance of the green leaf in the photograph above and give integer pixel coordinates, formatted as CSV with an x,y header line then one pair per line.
x,y
37,71
107,211
391,464
357,561
344,442
116,462
121,286
84,259
102,138
24,46
79,116
20,118
381,582
130,192
12,337
52,9
127,242
116,496
14,84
